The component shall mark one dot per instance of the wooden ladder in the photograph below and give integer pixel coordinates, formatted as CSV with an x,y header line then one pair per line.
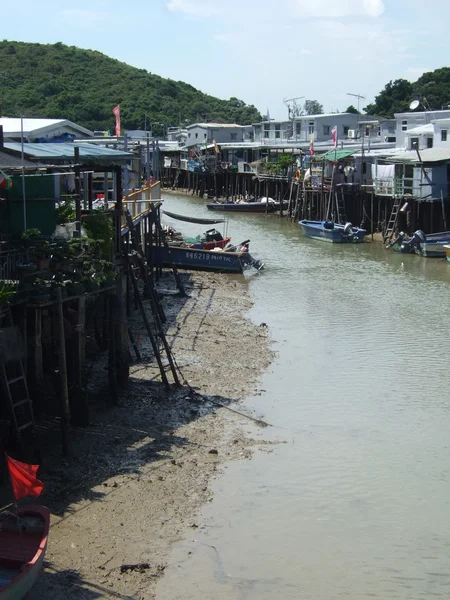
x,y
137,263
392,223
341,213
14,385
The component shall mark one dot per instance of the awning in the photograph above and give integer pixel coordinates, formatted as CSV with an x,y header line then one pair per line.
x,y
334,155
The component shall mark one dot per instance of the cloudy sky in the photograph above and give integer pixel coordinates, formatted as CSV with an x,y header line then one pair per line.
x,y
262,51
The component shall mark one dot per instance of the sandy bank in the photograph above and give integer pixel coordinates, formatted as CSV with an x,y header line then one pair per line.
x,y
136,478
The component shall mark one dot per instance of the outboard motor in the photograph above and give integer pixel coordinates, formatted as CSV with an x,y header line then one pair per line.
x,y
398,240
419,237
348,228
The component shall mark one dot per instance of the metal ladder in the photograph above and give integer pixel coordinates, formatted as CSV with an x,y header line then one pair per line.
x,y
390,228
137,263
15,388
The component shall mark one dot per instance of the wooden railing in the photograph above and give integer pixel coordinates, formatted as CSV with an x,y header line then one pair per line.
x,y
139,201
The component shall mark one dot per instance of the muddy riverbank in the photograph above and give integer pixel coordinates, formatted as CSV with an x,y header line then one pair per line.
x,y
136,478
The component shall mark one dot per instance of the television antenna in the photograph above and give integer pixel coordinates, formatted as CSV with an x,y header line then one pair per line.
x,y
357,96
287,100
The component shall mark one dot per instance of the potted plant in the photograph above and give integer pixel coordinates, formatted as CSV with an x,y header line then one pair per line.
x,y
7,291
40,291
42,255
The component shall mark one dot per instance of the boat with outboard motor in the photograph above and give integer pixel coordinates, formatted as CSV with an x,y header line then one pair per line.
x,y
428,245
336,233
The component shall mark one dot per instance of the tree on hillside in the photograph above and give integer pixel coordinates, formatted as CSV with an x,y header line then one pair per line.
x,y
58,81
351,109
312,107
434,88
395,97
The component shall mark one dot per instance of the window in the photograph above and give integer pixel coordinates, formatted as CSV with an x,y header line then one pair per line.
x,y
404,125
429,142
379,131
367,132
189,135
277,131
443,135
326,130
196,135
311,127
204,135
298,128
233,137
346,129
414,143
267,130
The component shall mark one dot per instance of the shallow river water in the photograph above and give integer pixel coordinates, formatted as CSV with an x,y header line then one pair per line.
x,y
355,501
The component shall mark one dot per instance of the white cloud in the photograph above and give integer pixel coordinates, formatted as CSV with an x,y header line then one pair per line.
x,y
413,73
340,8
194,8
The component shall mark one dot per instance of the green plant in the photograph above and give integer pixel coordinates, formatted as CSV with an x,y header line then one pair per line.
x,y
65,212
7,290
100,228
29,237
285,161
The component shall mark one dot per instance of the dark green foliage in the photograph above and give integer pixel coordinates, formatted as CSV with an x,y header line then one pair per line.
x,y
65,212
351,109
58,81
432,88
99,228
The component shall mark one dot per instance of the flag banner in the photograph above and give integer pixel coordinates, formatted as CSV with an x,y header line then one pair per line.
x,y
311,145
23,479
334,135
5,181
116,111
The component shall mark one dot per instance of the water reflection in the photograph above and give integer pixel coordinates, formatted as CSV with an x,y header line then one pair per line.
x,y
354,503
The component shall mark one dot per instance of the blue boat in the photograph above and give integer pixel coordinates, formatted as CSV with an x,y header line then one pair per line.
x,y
327,231
195,259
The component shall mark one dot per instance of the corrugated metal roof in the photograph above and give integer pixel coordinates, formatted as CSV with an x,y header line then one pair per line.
x,y
430,155
89,153
333,155
7,161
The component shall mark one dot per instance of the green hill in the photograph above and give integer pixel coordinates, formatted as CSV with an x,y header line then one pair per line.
x,y
433,88
58,81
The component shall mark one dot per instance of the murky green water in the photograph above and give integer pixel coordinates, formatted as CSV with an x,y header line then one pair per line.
x,y
355,503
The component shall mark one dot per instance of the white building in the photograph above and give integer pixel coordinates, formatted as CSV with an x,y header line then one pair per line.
x,y
201,134
42,130
410,120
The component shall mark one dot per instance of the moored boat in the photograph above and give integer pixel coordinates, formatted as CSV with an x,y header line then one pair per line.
x,y
23,542
260,206
197,259
447,251
428,245
335,233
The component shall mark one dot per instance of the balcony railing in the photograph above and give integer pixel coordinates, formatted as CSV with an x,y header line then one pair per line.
x,y
140,200
393,186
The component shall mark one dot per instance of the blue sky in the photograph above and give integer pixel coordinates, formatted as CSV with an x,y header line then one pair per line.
x,y
261,51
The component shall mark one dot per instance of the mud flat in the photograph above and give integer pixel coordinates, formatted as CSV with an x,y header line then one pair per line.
x,y
136,478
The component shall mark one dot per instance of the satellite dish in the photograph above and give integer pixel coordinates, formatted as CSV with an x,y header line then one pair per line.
x,y
414,104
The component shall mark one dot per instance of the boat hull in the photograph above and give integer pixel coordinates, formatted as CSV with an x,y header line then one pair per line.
x,y
433,249
201,260
334,235
22,583
248,207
